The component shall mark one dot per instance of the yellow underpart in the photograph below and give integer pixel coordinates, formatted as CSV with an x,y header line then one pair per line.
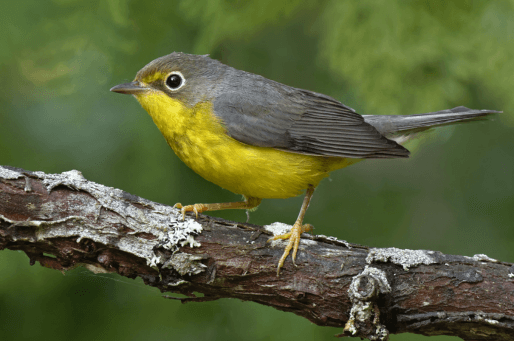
x,y
201,142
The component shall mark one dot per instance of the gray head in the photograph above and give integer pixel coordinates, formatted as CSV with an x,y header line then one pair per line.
x,y
188,78
194,78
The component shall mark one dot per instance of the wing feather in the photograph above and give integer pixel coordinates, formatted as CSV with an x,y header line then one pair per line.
x,y
269,114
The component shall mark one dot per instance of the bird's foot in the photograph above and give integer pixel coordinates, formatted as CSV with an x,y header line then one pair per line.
x,y
294,242
197,208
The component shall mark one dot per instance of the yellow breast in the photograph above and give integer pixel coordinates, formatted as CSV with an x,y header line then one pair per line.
x,y
200,141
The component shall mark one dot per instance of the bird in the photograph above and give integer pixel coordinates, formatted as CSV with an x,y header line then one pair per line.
x,y
262,139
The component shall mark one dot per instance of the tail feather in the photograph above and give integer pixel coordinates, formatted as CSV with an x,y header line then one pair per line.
x,y
403,127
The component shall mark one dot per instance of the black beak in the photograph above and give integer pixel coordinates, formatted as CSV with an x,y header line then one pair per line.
x,y
131,88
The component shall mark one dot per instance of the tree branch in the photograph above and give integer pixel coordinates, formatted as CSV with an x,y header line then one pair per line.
x,y
64,221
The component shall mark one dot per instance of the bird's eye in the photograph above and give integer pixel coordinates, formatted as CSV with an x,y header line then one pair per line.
x,y
175,81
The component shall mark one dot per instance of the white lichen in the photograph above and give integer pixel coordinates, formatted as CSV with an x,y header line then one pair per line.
x,y
483,258
8,174
493,322
279,228
361,311
190,240
404,257
335,240
154,261
138,215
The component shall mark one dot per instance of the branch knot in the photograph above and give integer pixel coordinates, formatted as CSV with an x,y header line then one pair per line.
x,y
365,314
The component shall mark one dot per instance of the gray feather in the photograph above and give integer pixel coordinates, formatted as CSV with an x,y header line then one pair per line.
x,y
402,128
261,112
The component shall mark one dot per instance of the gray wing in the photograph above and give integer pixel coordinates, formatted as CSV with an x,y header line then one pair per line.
x,y
264,113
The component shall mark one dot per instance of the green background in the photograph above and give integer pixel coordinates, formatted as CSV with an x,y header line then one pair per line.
x,y
59,58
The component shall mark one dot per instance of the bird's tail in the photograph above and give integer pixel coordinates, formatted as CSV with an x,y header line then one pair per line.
x,y
402,128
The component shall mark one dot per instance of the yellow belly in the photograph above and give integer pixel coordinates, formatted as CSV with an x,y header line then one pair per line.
x,y
200,141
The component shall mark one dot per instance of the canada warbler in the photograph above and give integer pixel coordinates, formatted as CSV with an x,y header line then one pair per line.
x,y
263,139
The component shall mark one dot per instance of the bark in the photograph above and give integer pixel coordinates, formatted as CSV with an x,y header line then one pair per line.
x,y
64,221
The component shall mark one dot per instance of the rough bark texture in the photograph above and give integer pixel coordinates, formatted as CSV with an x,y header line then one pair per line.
x,y
64,221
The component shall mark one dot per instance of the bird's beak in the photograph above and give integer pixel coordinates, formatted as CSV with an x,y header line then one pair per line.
x,y
132,88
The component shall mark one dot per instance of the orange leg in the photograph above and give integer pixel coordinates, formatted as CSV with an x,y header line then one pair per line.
x,y
249,203
296,231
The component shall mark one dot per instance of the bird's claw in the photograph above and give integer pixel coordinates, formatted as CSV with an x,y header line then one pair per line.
x,y
196,208
294,242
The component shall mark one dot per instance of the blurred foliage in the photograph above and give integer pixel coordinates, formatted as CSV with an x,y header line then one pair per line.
x,y
59,58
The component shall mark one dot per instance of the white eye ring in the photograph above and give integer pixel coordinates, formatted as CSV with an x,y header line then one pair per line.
x,y
175,80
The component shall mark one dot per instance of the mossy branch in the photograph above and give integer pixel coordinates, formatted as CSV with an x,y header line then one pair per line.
x,y
368,292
